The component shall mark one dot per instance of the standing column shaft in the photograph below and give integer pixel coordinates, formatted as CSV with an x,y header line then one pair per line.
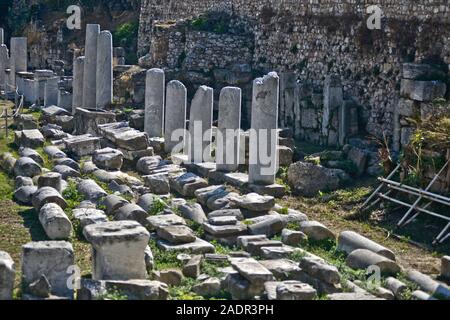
x,y
263,134
154,102
78,78
19,57
175,116
51,92
104,95
228,135
200,125
4,64
90,66
2,36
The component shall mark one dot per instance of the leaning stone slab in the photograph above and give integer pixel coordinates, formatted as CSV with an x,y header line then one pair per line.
x,y
436,289
27,167
91,190
350,241
7,276
252,270
140,290
47,195
198,247
363,259
118,250
55,222
51,259
295,290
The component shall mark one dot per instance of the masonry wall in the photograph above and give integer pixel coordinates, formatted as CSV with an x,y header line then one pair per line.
x,y
317,38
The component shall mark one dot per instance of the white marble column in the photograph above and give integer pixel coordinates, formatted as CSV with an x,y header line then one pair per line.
x,y
19,57
78,71
175,120
154,102
104,95
90,66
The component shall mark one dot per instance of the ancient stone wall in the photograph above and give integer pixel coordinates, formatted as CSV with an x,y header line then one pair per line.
x,y
314,39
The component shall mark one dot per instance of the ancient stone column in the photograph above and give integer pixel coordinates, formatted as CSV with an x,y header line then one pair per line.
x,y
4,64
263,134
154,102
104,95
176,100
90,66
118,250
2,36
51,92
19,57
78,71
200,124
288,83
228,135
333,98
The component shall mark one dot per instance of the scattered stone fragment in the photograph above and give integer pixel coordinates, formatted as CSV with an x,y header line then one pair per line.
x,y
155,222
27,167
316,231
133,289
223,221
33,154
192,269
383,293
113,203
30,138
89,216
349,241
208,288
363,259
24,195
108,159
7,276
186,184
427,284
252,270
131,212
158,183
227,213
119,250
445,267
177,234
51,259
47,195
293,238
20,182
172,277
241,289
55,222
295,290
198,247
268,225
51,179
193,211
397,287
254,247
255,202
54,152
67,162
204,194
420,295
243,241
317,268
282,269
91,190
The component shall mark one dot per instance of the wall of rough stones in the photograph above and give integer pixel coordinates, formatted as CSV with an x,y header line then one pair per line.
x,y
316,38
